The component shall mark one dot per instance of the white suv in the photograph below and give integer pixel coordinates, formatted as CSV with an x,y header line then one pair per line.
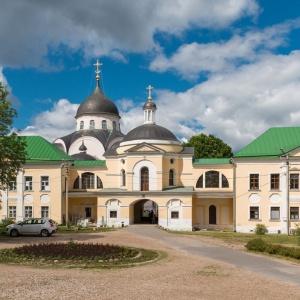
x,y
40,226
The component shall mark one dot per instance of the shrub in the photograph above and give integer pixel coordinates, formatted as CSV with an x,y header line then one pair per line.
x,y
256,245
260,229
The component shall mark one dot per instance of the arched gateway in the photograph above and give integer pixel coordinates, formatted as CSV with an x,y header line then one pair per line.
x,y
142,212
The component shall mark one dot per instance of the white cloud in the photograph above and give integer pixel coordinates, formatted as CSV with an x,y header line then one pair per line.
x,y
13,99
192,59
101,27
239,106
54,123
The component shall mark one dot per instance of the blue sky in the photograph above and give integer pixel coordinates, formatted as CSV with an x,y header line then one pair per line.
x,y
225,67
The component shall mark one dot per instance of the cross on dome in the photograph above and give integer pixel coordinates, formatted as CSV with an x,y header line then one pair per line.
x,y
97,71
149,88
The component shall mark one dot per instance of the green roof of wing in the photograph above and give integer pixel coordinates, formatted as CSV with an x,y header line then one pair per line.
x,y
268,144
211,161
89,163
40,150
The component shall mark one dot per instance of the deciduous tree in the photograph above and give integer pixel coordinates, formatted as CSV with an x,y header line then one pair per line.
x,y
12,146
209,147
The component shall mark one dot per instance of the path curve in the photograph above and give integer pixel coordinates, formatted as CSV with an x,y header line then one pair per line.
x,y
282,270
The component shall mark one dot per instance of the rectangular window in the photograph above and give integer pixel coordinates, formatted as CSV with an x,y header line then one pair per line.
x,y
254,212
113,214
294,213
12,212
254,182
45,183
12,185
275,213
28,211
45,212
294,181
28,183
174,214
274,180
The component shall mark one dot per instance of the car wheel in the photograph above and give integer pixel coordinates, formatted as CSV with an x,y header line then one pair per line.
x,y
44,233
14,232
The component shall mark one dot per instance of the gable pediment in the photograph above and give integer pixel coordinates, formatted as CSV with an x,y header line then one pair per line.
x,y
144,147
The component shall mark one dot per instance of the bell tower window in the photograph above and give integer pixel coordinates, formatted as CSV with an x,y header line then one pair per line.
x,y
104,124
81,125
92,124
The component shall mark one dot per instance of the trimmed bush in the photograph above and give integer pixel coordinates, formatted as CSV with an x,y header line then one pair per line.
x,y
256,245
260,229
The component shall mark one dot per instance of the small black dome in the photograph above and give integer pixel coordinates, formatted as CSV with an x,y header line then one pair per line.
x,y
82,147
150,132
97,103
149,105
83,156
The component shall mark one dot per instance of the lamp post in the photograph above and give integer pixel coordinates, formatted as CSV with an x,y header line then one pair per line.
x,y
66,166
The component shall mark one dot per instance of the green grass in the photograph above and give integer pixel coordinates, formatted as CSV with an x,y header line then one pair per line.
x,y
72,229
243,238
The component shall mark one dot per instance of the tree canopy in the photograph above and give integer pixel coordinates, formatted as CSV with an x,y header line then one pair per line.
x,y
12,146
209,146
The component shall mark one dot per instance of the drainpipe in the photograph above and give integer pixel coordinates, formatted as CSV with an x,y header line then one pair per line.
x,y
234,195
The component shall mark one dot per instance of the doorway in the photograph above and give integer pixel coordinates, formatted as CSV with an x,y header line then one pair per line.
x,y
142,212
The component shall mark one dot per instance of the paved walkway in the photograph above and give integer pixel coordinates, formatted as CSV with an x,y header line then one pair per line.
x,y
274,268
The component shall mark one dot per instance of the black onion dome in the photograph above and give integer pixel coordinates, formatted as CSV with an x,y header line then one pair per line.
x,y
149,105
97,103
83,156
150,132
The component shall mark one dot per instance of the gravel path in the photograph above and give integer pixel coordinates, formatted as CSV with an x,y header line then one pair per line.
x,y
179,276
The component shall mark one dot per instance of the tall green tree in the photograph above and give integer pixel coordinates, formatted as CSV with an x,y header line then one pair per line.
x,y
209,146
12,146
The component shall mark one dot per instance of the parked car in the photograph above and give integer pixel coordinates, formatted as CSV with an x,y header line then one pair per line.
x,y
34,226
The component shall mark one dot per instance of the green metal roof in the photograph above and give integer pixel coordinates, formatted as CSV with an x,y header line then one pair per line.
x,y
40,150
211,161
268,144
89,163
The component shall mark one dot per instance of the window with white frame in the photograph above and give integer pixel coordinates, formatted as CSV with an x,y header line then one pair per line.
x,y
28,211
294,213
254,212
92,124
28,183
275,213
81,125
113,214
254,181
12,212
104,124
44,211
294,181
174,214
13,185
274,181
45,183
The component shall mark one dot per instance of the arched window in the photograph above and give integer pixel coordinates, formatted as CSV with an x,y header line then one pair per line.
x,y
212,215
171,177
88,180
212,179
199,183
99,183
104,124
123,183
144,179
114,125
92,124
81,125
76,183
225,183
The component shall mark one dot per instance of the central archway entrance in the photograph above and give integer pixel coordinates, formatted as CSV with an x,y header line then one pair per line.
x,y
143,212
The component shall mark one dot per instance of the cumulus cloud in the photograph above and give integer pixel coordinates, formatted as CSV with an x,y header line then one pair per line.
x,y
13,99
192,59
100,27
54,123
237,106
